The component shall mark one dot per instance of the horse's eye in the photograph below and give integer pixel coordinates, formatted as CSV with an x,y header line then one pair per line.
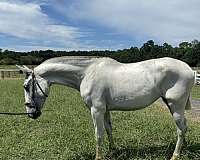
x,y
26,87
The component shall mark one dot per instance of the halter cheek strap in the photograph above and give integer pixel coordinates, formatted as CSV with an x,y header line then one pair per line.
x,y
41,89
36,82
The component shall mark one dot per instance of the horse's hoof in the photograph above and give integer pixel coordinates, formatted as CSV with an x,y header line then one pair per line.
x,y
175,157
98,158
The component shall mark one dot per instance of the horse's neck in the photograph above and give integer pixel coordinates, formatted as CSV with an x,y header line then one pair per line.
x,y
60,73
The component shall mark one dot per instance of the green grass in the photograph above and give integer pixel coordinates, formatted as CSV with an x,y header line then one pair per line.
x,y
65,130
196,92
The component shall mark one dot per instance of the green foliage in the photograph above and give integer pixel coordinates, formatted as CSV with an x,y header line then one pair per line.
x,y
188,52
7,61
65,130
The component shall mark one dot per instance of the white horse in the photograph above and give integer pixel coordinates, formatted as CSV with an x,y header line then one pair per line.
x,y
106,85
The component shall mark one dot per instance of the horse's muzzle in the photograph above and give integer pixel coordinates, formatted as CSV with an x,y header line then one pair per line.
x,y
35,114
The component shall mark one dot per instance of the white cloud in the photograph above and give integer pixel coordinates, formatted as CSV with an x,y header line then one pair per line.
x,y
24,20
21,20
172,21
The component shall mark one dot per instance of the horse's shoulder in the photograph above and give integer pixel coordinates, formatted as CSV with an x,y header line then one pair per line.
x,y
98,69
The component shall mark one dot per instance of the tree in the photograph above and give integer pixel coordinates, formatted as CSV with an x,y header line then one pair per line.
x,y
194,42
7,61
186,51
185,45
167,50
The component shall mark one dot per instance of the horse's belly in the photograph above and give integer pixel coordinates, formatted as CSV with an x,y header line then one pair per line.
x,y
131,103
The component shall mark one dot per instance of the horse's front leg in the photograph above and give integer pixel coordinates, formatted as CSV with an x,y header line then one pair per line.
x,y
98,120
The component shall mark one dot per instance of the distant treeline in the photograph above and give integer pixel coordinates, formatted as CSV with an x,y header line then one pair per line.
x,y
186,51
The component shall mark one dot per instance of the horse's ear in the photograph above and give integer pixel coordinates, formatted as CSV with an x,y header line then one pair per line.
x,y
24,69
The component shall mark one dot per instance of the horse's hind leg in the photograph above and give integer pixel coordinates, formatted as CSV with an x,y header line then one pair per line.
x,y
181,130
177,110
108,127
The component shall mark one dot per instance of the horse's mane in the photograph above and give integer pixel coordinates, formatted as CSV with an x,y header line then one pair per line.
x,y
72,60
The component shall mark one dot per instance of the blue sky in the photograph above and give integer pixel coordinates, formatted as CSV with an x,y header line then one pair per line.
x,y
96,24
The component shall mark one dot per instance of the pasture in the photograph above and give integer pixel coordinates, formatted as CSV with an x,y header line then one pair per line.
x,y
65,130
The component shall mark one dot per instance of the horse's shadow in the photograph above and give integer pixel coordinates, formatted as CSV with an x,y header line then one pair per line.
x,y
146,152
151,152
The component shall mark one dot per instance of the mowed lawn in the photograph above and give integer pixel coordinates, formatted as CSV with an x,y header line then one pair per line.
x,y
65,130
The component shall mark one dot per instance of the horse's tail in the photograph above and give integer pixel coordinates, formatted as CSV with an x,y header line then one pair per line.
x,y
188,104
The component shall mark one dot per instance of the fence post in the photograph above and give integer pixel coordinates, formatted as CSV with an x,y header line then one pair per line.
x,y
1,74
195,75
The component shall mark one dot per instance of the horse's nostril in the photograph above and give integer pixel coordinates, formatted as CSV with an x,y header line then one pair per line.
x,y
27,104
35,115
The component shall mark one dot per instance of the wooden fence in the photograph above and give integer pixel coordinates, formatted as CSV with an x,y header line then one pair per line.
x,y
10,74
197,77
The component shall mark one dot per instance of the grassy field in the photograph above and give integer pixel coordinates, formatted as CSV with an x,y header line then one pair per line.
x,y
196,92
65,130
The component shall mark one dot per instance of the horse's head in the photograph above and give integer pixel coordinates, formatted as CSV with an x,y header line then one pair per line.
x,y
36,91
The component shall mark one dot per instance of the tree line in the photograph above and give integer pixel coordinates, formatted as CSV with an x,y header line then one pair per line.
x,y
188,52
